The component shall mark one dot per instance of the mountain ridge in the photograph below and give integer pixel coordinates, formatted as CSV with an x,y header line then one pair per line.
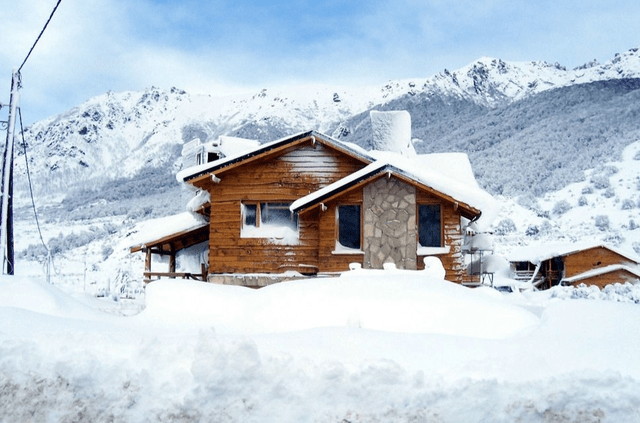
x,y
120,134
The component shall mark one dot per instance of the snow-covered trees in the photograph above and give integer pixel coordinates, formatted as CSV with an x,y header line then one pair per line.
x,y
561,207
602,222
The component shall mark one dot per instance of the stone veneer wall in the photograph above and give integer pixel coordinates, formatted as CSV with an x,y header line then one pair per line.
x,y
389,224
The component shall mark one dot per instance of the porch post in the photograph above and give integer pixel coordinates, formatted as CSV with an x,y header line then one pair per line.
x,y
147,264
172,259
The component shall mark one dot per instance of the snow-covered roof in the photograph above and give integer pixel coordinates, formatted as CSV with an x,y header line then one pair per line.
x,y
195,171
153,230
600,271
539,253
449,174
339,185
446,173
234,146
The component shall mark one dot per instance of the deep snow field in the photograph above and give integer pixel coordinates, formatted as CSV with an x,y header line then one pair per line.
x,y
369,346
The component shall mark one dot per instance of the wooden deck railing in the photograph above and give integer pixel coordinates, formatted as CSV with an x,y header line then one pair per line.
x,y
149,276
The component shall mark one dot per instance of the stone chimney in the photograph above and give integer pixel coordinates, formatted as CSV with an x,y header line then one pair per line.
x,y
392,132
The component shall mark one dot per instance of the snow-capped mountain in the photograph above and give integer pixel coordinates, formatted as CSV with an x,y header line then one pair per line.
x,y
118,134
493,82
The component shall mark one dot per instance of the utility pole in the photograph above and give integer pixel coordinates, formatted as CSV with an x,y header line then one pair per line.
x,y
6,212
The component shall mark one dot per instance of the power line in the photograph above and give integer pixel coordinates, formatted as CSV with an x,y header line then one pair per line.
x,y
41,32
33,203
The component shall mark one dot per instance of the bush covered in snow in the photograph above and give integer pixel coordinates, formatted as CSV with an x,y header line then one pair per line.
x,y
561,207
505,227
609,193
624,293
582,201
600,181
602,222
627,204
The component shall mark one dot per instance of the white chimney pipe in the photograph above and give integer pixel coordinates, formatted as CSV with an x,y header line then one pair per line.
x,y
392,132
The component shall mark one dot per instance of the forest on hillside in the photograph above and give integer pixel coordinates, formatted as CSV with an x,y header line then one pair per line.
x,y
531,146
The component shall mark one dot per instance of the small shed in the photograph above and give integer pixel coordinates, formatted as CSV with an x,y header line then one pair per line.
x,y
569,264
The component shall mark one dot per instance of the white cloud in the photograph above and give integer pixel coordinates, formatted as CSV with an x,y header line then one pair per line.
x,y
92,46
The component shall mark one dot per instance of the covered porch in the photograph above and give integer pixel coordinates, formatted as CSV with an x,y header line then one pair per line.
x,y
169,245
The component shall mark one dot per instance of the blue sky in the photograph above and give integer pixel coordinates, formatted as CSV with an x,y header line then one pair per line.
x,y
222,47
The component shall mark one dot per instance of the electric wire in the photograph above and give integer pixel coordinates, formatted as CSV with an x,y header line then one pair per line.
x,y
26,159
41,32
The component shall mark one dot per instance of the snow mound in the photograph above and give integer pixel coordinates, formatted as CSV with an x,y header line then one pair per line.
x,y
35,296
392,301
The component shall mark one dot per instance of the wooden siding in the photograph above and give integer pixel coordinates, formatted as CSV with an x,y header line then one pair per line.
x,y
453,261
592,258
296,172
615,276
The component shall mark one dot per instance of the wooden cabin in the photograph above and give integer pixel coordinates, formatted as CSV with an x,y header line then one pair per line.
x,y
313,205
573,264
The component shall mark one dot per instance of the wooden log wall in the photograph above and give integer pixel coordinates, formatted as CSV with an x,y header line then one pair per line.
x,y
592,258
328,261
616,276
292,174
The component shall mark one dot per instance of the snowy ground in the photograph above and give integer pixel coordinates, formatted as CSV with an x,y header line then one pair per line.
x,y
370,346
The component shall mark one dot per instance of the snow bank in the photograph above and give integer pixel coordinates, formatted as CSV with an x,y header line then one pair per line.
x,y
576,363
36,296
393,301
625,293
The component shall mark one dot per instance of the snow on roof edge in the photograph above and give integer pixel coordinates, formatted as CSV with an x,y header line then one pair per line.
x,y
152,230
194,171
600,271
319,194
473,196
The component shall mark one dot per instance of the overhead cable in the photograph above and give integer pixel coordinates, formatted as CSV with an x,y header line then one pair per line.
x,y
41,32
33,203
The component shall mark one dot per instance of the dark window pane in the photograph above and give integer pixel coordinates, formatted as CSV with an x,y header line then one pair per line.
x,y
250,214
278,214
349,226
430,233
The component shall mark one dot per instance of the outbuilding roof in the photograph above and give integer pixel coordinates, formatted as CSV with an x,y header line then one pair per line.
x,y
539,253
600,271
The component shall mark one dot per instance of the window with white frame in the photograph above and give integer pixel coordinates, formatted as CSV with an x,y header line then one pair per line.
x,y
269,220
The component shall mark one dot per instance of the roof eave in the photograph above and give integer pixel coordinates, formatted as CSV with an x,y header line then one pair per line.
x,y
267,148
466,210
